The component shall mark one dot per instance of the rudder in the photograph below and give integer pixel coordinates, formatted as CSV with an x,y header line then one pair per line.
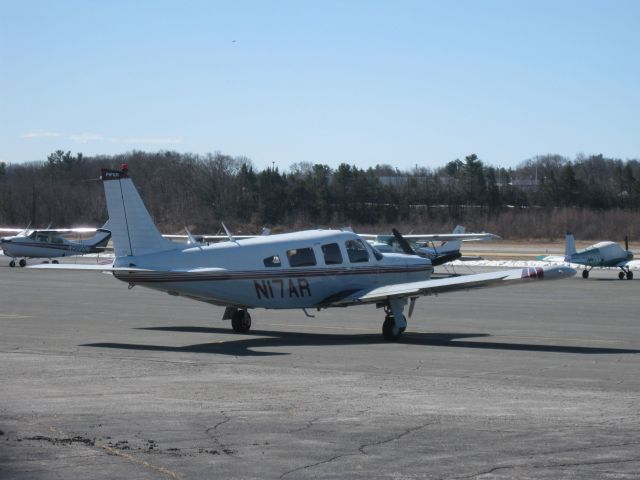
x,y
132,228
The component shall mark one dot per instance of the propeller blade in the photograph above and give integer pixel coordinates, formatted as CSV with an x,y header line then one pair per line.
x,y
406,247
626,242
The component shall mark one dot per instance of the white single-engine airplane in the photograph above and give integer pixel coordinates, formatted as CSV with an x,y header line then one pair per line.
x,y
309,269
49,243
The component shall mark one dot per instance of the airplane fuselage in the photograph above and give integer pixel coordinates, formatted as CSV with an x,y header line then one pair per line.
x,y
295,270
24,247
604,254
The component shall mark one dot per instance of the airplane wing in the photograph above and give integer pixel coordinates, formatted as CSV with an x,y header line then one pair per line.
x,y
214,238
442,285
439,237
69,230
105,267
444,237
51,230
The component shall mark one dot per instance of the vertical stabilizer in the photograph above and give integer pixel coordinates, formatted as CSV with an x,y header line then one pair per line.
x,y
100,240
569,245
132,229
452,245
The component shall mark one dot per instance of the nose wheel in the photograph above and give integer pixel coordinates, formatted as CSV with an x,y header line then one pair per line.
x,y
394,321
390,330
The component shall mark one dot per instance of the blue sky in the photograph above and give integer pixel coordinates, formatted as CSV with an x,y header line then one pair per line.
x,y
363,82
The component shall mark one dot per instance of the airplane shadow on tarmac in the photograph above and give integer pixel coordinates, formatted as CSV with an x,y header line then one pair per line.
x,y
259,339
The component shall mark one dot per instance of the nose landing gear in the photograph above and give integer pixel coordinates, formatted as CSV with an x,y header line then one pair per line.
x,y
395,322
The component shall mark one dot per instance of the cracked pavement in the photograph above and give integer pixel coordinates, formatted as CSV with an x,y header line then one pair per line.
x,y
100,382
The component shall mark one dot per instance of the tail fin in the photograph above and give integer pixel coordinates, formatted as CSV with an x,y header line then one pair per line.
x,y
569,245
100,239
452,245
132,228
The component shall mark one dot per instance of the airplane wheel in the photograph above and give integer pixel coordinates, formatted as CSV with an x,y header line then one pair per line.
x,y
241,321
55,261
585,274
12,263
621,275
629,275
390,331
23,262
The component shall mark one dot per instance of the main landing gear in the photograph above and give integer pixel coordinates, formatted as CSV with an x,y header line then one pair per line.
x,y
394,321
22,262
625,273
241,321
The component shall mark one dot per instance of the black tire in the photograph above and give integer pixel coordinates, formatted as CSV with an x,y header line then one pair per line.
x,y
55,261
629,275
585,274
621,275
12,263
241,321
390,331
23,262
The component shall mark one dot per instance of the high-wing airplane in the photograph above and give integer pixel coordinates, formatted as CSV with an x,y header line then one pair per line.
x,y
425,244
603,254
50,243
308,269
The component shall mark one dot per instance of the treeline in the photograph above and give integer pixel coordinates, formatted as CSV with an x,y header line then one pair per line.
x,y
595,196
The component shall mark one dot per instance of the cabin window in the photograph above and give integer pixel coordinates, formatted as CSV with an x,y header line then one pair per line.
x,y
357,251
301,257
57,240
272,261
42,238
332,255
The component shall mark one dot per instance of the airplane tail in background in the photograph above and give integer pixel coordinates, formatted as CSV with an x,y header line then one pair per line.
x,y
569,245
100,239
452,245
132,228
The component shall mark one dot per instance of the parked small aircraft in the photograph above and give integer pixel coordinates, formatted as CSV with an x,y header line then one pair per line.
x,y
603,254
425,244
49,243
309,269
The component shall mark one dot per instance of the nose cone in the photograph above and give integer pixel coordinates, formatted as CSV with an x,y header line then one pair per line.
x,y
629,255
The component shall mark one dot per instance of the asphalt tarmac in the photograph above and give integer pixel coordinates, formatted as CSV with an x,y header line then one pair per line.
x,y
532,381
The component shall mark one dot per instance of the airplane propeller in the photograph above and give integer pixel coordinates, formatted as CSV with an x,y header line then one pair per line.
x,y
406,246
626,242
